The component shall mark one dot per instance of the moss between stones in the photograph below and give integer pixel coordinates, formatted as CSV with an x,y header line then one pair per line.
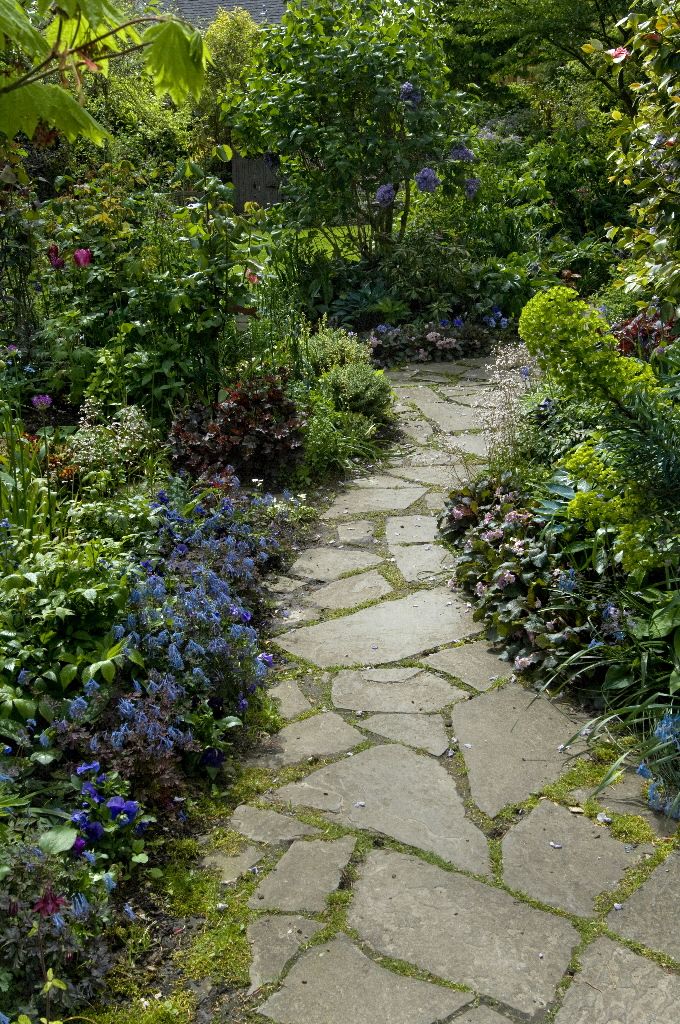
x,y
178,1008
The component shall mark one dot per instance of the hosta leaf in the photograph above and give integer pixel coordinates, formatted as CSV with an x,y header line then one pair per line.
x,y
57,840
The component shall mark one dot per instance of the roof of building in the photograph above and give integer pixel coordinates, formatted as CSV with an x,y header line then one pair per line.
x,y
202,12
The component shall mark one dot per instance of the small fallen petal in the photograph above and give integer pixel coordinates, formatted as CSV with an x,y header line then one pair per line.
x,y
360,803
604,819
618,906
468,746
449,752
556,846
540,956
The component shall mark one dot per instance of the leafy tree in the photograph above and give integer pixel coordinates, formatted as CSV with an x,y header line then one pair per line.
x,y
49,52
352,95
231,38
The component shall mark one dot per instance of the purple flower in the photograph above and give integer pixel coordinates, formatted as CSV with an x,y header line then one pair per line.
x,y
94,830
409,94
54,257
458,322
116,806
77,708
266,659
385,195
129,912
427,180
462,154
471,187
83,769
78,846
89,790
41,401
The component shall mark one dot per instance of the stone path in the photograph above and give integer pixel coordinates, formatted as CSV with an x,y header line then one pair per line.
x,y
421,817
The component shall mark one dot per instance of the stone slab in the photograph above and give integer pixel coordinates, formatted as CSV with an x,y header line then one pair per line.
x,y
231,867
482,1015
448,417
434,476
650,915
471,444
411,530
435,500
419,562
626,797
308,871
283,584
425,732
379,499
509,738
360,531
265,826
292,701
397,690
399,793
615,986
337,984
322,735
584,862
332,563
378,480
274,939
386,632
461,930
418,430
367,586
473,664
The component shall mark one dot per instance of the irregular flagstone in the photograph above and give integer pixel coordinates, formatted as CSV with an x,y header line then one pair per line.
x,y
379,499
650,915
274,939
360,531
284,585
509,738
435,500
615,986
583,862
417,429
322,735
231,867
436,476
449,418
292,702
421,561
411,530
426,732
367,586
393,690
473,664
265,826
482,1015
337,984
399,793
308,871
377,481
471,444
626,797
386,632
331,563
462,930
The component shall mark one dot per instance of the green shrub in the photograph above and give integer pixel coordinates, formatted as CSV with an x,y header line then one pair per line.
x,y
358,388
334,441
333,346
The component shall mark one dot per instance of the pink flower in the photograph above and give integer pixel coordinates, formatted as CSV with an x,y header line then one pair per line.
x,y
619,54
82,257
252,277
505,578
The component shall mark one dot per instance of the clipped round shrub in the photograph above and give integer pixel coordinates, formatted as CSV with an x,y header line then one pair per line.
x,y
356,387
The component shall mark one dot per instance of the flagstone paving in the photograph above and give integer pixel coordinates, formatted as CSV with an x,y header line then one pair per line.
x,y
410,867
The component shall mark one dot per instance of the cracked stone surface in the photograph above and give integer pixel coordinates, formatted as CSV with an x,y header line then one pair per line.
x,y
367,586
426,732
308,871
292,701
398,690
378,499
331,563
360,531
650,915
509,738
461,930
584,861
230,868
274,939
473,664
616,986
321,735
270,827
399,793
386,632
337,984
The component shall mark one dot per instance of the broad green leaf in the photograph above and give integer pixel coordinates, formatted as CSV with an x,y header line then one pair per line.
x,y
57,840
23,109
15,24
175,59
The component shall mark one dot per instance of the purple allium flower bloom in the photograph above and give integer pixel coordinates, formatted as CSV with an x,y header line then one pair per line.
x,y
427,180
83,769
462,154
385,195
472,187
41,401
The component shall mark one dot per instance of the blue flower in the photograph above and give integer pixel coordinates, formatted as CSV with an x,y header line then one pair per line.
x,y
43,739
383,328
643,771
89,857
461,154
80,906
524,371
109,881
83,769
126,708
4,1019
91,687
458,322
77,708
175,658
471,187
118,632
58,921
80,818
129,912
409,94
385,195
94,830
89,790
427,180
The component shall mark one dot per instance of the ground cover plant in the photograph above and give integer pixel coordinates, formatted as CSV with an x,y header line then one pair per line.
x,y
458,182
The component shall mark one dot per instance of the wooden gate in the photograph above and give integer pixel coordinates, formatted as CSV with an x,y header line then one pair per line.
x,y
255,181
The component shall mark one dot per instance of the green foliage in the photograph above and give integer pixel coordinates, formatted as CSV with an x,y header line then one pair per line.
x,y
336,441
77,38
329,347
231,39
356,387
324,94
